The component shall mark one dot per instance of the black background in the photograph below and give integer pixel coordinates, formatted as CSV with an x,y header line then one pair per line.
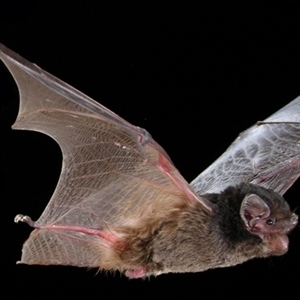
x,y
193,75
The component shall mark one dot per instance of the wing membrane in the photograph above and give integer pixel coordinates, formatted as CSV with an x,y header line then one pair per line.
x,y
267,154
113,173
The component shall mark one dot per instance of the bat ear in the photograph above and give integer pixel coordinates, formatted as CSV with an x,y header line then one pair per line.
x,y
253,208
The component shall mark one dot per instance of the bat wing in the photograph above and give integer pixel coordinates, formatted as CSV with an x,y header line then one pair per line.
x,y
113,173
267,154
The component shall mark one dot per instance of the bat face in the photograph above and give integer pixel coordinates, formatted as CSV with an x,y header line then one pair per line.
x,y
270,218
120,203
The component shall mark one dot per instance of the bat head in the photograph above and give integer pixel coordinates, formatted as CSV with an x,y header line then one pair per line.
x,y
266,214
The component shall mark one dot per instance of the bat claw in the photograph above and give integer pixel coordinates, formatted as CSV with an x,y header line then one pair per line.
x,y
26,219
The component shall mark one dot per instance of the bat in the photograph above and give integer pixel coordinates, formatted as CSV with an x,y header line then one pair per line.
x,y
121,204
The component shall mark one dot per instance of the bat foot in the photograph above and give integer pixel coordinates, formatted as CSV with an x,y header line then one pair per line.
x,y
26,219
136,273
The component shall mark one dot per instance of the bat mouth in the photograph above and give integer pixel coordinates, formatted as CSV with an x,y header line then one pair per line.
x,y
277,244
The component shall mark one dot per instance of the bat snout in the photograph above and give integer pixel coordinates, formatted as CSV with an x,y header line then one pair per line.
x,y
294,220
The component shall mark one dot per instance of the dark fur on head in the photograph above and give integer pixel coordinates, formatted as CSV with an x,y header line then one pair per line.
x,y
228,208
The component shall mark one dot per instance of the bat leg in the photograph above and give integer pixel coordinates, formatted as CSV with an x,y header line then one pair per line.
x,y
134,273
26,219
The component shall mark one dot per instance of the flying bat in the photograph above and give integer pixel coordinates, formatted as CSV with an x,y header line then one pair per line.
x,y
121,204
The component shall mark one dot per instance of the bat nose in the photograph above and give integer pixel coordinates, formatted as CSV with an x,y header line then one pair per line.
x,y
294,219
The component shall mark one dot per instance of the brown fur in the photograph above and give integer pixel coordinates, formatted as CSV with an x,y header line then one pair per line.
x,y
189,239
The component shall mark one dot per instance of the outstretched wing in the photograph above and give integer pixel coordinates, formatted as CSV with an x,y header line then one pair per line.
x,y
113,173
267,154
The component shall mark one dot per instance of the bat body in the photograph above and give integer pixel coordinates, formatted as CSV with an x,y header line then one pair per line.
x,y
120,203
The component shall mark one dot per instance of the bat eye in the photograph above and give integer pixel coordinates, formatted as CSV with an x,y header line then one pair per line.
x,y
270,222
